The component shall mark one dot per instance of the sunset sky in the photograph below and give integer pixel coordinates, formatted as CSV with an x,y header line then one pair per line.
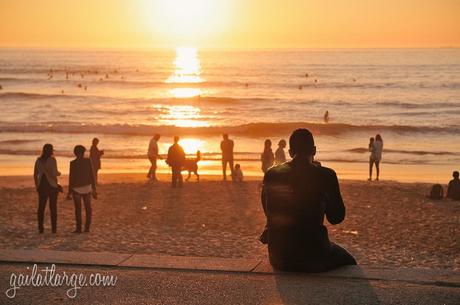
x,y
230,23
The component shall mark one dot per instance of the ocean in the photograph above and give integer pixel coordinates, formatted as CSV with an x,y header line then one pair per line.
x,y
66,97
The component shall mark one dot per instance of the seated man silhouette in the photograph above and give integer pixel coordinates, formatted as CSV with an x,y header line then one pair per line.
x,y
296,196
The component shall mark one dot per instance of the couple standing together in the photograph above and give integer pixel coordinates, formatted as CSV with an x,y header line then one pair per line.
x,y
376,150
176,158
82,184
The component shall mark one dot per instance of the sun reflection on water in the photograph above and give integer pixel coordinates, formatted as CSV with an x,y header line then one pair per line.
x,y
181,116
187,72
187,67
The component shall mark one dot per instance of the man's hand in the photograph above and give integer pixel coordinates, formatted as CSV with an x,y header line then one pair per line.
x,y
94,194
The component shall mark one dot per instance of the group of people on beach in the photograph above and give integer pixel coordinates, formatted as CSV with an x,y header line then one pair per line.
x,y
176,159
376,150
82,184
297,195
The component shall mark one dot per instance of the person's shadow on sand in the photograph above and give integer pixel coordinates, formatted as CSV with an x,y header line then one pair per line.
x,y
346,285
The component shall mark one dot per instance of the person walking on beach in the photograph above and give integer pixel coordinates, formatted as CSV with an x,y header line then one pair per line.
x,y
153,155
377,150
176,158
280,155
296,195
82,185
267,156
46,184
226,146
95,156
453,189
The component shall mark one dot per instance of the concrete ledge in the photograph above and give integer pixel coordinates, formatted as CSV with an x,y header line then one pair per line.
x,y
426,276
440,277
190,263
63,257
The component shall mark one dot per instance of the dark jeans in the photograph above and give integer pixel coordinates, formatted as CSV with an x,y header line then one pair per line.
x,y
153,168
335,258
77,202
176,176
47,192
224,166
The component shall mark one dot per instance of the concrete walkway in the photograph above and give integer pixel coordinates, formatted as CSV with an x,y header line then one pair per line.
x,y
251,281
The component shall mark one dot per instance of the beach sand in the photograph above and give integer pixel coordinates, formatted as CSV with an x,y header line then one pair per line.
x,y
387,223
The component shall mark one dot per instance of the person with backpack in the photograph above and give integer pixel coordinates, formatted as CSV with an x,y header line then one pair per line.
x,y
47,186
453,189
437,192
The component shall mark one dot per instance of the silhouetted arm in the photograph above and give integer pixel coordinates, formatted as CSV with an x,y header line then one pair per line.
x,y
70,180
335,208
55,171
36,174
449,189
264,193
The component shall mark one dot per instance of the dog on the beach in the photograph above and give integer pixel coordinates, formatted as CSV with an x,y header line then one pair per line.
x,y
191,165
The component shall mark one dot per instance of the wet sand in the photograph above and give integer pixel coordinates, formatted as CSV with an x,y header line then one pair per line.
x,y
387,224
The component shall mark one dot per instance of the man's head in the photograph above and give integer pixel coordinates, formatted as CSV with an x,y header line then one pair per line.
x,y
455,174
157,137
176,139
95,141
225,136
79,151
301,143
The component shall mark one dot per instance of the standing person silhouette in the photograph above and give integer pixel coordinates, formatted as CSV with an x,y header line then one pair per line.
x,y
267,156
226,146
153,155
296,195
46,184
378,150
453,189
95,156
82,186
280,155
176,158
326,117
371,157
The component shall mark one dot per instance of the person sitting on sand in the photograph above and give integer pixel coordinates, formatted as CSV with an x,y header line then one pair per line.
x,y
237,173
280,155
82,185
267,157
226,146
95,156
296,195
453,189
46,184
153,155
176,158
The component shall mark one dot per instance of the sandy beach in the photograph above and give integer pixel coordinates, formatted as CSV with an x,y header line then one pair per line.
x,y
387,224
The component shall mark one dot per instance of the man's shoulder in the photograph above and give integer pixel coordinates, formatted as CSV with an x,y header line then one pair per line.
x,y
278,170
